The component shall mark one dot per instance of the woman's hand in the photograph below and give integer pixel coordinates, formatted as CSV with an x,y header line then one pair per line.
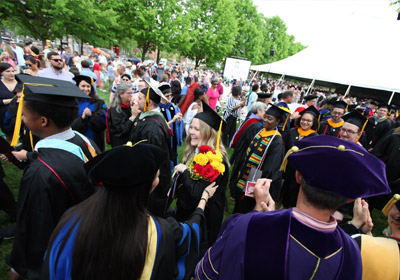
x,y
264,201
180,168
87,112
208,192
4,158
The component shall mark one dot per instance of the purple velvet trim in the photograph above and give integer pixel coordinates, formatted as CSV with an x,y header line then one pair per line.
x,y
264,230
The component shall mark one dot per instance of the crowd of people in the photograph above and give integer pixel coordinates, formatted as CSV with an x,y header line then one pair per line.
x,y
303,179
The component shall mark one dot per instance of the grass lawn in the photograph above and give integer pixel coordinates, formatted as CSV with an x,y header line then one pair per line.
x,y
13,177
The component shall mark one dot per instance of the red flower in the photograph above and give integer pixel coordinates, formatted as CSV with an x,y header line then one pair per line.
x,y
204,149
198,169
215,176
208,171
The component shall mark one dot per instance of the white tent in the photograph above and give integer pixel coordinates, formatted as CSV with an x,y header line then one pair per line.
x,y
361,57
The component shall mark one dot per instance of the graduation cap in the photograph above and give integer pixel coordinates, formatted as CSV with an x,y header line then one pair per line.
x,y
264,95
313,111
395,200
48,91
331,101
373,102
352,107
153,93
341,104
277,112
357,119
211,117
357,172
80,78
164,87
383,105
310,97
129,166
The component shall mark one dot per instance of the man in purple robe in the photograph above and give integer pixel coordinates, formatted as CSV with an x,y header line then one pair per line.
x,y
304,242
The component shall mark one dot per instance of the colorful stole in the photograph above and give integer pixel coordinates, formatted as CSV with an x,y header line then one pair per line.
x,y
254,155
305,132
335,125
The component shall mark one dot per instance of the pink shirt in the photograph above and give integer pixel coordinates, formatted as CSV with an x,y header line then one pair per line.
x,y
213,97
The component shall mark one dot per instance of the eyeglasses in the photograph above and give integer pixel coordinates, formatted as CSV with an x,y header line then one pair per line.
x,y
126,80
337,113
343,131
305,120
57,60
168,95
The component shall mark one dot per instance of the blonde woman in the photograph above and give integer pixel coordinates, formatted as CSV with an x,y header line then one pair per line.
x,y
203,130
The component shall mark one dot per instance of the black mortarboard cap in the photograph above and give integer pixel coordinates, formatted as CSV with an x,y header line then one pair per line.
x,y
165,87
50,91
373,102
331,101
264,95
310,97
340,104
352,107
357,119
210,117
126,166
383,105
311,110
278,112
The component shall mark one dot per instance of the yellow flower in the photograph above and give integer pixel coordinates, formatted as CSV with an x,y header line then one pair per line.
x,y
218,156
215,164
201,159
221,168
210,156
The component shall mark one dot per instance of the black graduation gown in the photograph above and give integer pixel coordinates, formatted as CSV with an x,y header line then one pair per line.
x,y
42,200
290,187
94,122
326,129
388,150
377,131
270,168
119,126
155,131
189,195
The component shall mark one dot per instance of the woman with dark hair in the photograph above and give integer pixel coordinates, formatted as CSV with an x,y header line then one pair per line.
x,y
176,90
120,116
33,65
91,121
111,235
194,108
213,94
306,126
7,86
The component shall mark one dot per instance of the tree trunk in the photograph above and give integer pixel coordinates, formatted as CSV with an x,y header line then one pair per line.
x,y
144,51
197,64
81,46
44,42
158,55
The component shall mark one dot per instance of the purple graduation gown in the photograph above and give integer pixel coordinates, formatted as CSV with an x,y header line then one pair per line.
x,y
274,245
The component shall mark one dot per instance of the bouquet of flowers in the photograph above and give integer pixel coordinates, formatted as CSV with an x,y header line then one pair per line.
x,y
206,165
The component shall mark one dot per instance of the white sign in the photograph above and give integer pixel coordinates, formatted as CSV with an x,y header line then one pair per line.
x,y
236,69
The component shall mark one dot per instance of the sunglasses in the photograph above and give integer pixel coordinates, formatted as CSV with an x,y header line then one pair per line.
x,y
57,60
29,65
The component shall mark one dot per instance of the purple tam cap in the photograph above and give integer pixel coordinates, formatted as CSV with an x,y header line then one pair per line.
x,y
338,166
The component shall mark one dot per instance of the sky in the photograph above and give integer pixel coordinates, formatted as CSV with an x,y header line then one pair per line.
x,y
314,22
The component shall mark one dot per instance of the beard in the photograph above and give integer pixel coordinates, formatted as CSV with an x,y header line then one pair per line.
x,y
58,67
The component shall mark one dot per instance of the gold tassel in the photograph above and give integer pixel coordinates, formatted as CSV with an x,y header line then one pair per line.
x,y
17,127
146,104
284,125
31,139
294,149
219,135
362,129
390,204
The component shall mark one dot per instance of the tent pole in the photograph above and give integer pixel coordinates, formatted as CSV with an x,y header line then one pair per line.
x,y
309,89
347,91
391,97
281,78
253,77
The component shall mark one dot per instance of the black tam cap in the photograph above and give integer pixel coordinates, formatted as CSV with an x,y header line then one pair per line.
x,y
210,117
50,91
278,112
80,78
357,119
310,97
264,95
126,166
